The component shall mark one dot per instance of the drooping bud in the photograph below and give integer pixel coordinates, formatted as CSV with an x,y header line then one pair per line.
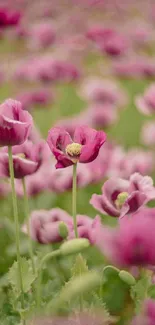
x,y
121,198
74,246
63,230
74,150
127,277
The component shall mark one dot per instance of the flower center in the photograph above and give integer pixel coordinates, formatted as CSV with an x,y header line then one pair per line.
x,y
74,149
21,155
121,198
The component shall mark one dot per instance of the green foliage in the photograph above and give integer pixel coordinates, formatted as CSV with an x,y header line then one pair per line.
x,y
139,291
28,276
113,291
80,266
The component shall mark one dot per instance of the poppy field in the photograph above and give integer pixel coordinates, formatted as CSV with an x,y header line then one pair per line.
x,y
77,162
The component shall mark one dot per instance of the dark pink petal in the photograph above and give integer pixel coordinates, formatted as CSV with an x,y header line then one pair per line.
x,y
91,141
22,166
58,138
133,203
15,124
113,187
62,160
102,204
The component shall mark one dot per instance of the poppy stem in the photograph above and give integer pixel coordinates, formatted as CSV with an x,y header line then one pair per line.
x,y
17,229
26,208
74,190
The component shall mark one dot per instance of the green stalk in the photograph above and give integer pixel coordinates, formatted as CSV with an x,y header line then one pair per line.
x,y
74,190
43,261
26,208
17,228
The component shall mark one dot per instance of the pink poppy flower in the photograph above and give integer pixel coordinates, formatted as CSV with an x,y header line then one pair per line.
x,y
15,124
101,115
131,243
84,147
146,103
61,180
44,225
148,134
9,17
147,316
92,318
41,35
137,160
116,45
87,228
27,158
37,97
120,197
102,91
135,67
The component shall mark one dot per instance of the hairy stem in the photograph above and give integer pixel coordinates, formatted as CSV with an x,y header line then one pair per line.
x,y
17,228
26,208
74,190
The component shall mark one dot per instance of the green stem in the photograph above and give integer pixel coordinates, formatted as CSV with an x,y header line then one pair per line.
x,y
43,261
74,190
26,207
17,228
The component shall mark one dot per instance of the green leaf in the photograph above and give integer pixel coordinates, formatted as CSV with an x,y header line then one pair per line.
x,y
139,291
80,266
75,287
27,276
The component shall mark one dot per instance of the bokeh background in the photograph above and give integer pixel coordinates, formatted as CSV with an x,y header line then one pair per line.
x,y
49,51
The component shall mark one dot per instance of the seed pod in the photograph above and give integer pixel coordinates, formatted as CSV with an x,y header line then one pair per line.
x,y
74,246
127,277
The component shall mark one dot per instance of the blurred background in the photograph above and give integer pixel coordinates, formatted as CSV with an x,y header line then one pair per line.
x,y
77,62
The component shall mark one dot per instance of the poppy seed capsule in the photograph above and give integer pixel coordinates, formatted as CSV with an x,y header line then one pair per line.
x,y
121,198
74,246
74,149
63,230
127,277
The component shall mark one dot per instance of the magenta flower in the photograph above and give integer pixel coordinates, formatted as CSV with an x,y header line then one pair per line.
x,y
147,315
61,180
131,243
41,35
146,103
9,17
37,97
120,197
135,67
84,147
35,183
137,160
87,228
44,225
101,115
15,124
27,158
115,45
102,91
148,134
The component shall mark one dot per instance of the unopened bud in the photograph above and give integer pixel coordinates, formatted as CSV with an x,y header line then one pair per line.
x,y
63,230
127,277
74,246
121,198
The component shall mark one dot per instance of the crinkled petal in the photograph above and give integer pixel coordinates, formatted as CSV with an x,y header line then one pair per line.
x,y
102,204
